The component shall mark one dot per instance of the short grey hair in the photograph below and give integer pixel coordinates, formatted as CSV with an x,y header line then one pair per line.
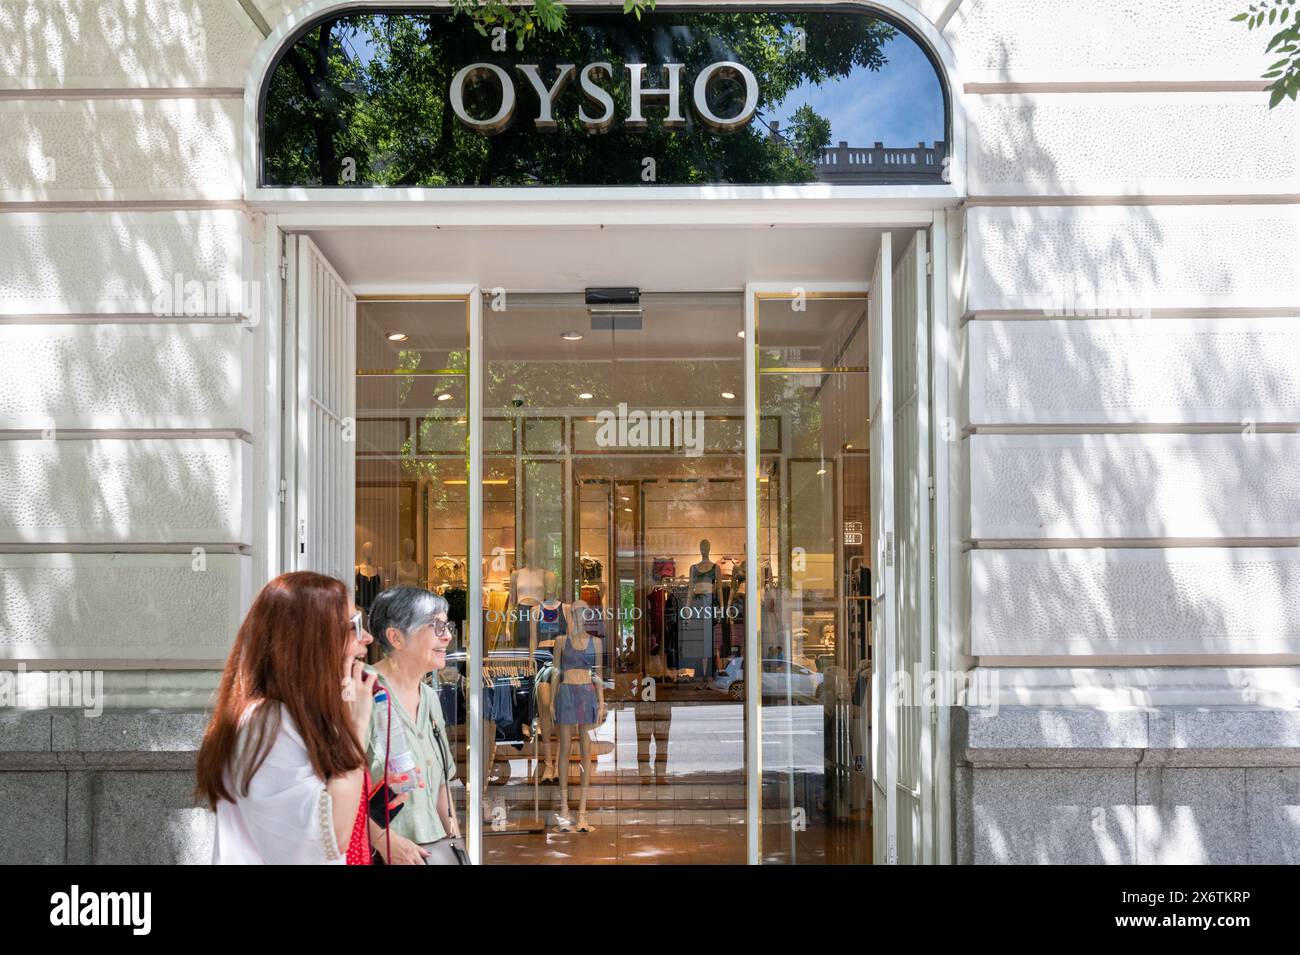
x,y
406,608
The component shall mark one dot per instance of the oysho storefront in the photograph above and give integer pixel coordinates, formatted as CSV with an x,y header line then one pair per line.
x,y
907,496
588,403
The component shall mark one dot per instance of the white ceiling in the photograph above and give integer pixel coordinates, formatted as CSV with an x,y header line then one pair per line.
x,y
566,260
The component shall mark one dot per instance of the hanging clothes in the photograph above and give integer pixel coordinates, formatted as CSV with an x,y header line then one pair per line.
x,y
661,632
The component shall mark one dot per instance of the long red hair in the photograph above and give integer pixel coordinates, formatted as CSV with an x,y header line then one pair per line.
x,y
289,650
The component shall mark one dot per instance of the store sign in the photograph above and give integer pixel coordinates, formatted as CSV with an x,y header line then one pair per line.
x,y
593,81
392,97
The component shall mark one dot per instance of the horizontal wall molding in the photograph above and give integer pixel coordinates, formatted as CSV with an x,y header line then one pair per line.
x,y
122,262
1131,200
1133,602
137,434
120,205
1052,313
1125,543
132,547
1213,427
1128,374
125,318
121,491
120,607
1135,486
1127,260
125,92
1120,86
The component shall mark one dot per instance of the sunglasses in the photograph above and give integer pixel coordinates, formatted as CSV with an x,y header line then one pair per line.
x,y
357,629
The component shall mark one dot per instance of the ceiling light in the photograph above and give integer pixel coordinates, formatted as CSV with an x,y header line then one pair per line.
x,y
445,396
728,395
571,336
397,336
626,499
848,447
740,334
585,396
628,509
821,471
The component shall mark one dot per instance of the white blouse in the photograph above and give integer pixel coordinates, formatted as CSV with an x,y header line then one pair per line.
x,y
287,818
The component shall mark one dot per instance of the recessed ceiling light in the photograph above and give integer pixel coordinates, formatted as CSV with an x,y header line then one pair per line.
x,y
585,396
848,447
571,336
397,336
626,499
728,395
628,509
821,471
445,396
740,334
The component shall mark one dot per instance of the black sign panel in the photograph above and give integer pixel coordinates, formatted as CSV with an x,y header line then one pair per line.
x,y
681,97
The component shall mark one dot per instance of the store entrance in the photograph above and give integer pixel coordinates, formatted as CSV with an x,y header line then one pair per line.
x,y
616,594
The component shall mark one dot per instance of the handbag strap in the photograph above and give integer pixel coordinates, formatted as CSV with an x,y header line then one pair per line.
x,y
388,808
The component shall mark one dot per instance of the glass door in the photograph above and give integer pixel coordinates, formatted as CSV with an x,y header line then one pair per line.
x,y
812,651
614,539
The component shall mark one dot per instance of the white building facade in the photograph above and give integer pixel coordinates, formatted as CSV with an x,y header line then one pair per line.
x,y
1084,489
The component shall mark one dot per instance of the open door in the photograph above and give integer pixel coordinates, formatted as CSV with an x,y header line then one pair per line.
x,y
319,415
902,730
884,617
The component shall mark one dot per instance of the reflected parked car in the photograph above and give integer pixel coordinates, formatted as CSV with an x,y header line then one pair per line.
x,y
781,680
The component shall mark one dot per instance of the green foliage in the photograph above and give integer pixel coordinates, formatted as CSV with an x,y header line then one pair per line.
x,y
1285,73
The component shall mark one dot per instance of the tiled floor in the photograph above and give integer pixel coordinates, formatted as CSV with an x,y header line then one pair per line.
x,y
675,845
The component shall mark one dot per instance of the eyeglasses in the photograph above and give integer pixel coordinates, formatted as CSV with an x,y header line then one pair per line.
x,y
444,628
355,623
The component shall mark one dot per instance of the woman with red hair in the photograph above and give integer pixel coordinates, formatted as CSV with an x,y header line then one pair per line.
x,y
283,762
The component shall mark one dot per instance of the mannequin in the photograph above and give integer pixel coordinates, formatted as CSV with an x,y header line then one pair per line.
x,y
577,707
705,599
369,580
553,624
406,572
529,586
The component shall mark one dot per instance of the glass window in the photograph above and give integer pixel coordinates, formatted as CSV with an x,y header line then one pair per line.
x,y
412,503
812,364
404,98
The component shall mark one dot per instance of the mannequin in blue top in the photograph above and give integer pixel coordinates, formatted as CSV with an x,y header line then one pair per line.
x,y
577,706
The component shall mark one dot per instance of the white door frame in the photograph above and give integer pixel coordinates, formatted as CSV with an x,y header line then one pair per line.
x,y
929,213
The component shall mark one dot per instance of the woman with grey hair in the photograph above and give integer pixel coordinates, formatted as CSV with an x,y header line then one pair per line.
x,y
411,628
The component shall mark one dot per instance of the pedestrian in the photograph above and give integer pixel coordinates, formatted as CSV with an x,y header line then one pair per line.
x,y
283,760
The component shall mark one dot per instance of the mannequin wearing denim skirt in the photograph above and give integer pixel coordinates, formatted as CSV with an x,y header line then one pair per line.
x,y
578,707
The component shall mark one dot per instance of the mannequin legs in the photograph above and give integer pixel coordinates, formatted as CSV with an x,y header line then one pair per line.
x,y
566,732
546,728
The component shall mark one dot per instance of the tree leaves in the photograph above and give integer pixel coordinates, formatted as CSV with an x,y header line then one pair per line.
x,y
1285,73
